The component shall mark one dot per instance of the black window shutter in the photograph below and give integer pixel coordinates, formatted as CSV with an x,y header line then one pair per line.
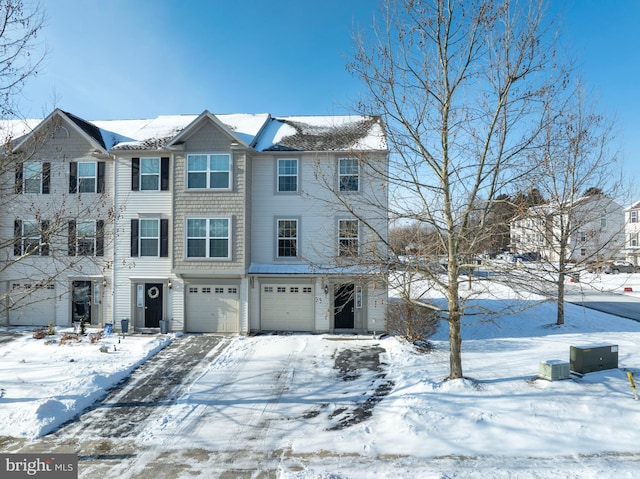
x,y
17,188
17,237
46,237
135,174
72,238
73,177
164,238
100,238
101,166
164,173
134,237
46,178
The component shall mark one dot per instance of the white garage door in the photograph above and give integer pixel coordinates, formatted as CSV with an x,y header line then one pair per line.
x,y
32,304
287,307
212,308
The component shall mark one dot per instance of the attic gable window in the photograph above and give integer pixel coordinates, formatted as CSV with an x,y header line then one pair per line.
x,y
209,171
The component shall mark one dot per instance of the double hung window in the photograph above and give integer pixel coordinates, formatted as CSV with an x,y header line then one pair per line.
x,y
287,238
287,175
33,177
208,238
150,237
348,174
31,238
86,238
209,171
348,237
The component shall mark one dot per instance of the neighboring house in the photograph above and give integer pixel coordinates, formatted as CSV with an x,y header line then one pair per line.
x,y
221,223
632,233
55,225
595,225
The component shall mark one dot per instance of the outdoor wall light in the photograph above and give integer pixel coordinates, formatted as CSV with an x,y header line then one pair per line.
x,y
326,289
169,284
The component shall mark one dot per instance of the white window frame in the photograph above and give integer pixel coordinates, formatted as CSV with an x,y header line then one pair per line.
x,y
208,238
344,185
32,176
82,178
633,216
142,237
208,171
31,237
348,245
286,163
86,238
633,239
295,239
142,174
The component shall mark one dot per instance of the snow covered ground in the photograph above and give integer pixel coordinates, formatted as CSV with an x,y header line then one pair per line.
x,y
501,422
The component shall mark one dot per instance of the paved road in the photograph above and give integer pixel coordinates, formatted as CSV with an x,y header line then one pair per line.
x,y
612,303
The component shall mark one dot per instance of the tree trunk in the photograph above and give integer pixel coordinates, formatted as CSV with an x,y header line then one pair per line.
x,y
560,302
455,337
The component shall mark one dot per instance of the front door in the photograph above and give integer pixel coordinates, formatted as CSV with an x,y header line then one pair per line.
x,y
344,307
81,301
152,305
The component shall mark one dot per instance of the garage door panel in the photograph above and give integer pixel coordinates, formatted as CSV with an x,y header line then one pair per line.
x,y
32,305
287,307
212,309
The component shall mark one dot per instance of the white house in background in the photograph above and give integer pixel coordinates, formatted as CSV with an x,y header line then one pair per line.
x,y
596,225
223,223
632,233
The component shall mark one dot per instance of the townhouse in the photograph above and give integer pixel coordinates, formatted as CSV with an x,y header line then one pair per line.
x,y
595,225
632,230
199,223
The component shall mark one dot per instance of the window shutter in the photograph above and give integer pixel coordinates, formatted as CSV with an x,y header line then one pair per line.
x,y
72,238
164,173
135,174
17,188
100,238
73,177
164,238
46,177
46,238
100,186
134,237
17,237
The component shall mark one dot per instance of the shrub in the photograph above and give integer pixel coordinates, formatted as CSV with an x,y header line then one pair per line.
x,y
412,322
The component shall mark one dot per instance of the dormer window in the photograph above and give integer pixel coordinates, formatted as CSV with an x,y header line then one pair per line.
x,y
209,171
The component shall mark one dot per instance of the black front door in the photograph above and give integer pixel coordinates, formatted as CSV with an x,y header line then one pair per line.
x,y
81,301
152,305
344,307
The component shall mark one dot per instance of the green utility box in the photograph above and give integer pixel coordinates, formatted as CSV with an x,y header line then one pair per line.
x,y
587,359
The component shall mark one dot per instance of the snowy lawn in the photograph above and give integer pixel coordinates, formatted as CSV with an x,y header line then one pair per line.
x,y
282,401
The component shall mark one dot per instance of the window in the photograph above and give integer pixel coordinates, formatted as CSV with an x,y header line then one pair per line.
x,y
86,238
583,251
150,237
349,174
582,235
287,176
209,171
633,217
31,238
150,174
287,238
633,239
603,221
348,237
86,177
208,238
32,177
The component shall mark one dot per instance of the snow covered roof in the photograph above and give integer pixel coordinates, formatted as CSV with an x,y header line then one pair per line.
x,y
261,131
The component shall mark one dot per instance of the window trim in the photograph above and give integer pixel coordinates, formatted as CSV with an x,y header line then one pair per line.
x,y
279,175
297,237
208,171
208,239
98,238
341,175
343,251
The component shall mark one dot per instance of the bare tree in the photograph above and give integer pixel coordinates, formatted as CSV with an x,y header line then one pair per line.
x,y
580,222
460,86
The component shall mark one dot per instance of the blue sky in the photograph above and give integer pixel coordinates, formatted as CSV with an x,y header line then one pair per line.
x,y
142,58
